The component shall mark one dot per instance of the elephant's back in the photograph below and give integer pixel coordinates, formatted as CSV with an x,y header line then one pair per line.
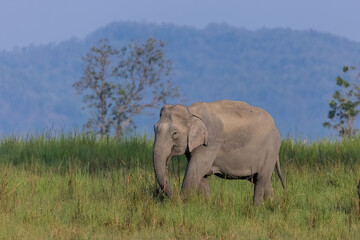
x,y
243,121
240,113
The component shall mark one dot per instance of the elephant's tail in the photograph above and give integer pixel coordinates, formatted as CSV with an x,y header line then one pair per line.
x,y
277,165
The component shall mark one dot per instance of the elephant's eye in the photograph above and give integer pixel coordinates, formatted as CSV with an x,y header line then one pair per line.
x,y
175,135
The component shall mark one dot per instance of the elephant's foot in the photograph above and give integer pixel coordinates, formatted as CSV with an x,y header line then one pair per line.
x,y
201,188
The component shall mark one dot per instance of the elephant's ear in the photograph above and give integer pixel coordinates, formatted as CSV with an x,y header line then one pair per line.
x,y
198,135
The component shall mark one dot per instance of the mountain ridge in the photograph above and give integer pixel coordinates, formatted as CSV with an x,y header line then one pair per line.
x,y
289,73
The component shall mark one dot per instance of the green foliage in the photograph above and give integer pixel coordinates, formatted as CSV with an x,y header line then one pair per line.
x,y
76,186
344,107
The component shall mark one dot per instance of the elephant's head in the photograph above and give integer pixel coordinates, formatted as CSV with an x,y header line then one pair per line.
x,y
178,131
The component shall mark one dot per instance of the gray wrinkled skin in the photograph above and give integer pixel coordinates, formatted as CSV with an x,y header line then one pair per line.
x,y
230,139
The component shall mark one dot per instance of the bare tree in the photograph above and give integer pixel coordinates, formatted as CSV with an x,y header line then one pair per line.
x,y
143,81
118,85
96,85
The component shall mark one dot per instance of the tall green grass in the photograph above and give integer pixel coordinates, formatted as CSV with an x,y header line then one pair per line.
x,y
84,150
320,153
75,186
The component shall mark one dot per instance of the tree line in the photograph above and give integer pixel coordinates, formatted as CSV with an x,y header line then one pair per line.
x,y
118,84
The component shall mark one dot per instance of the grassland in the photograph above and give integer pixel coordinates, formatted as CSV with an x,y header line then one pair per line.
x,y
73,186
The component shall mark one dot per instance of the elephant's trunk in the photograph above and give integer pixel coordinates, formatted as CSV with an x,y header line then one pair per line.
x,y
161,157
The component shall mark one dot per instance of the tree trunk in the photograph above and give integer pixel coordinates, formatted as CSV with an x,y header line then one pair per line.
x,y
358,189
103,116
118,128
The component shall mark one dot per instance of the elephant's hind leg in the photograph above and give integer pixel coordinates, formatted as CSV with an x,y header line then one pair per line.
x,y
268,191
262,189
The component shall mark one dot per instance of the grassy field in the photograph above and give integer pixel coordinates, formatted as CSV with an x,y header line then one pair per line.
x,y
73,186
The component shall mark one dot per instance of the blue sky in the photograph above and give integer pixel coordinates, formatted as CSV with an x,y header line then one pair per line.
x,y
24,22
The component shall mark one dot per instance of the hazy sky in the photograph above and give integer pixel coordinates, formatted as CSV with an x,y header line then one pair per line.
x,y
24,22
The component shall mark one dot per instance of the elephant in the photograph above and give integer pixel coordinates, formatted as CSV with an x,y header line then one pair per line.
x,y
230,139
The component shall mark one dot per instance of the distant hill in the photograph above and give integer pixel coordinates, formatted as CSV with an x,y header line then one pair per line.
x,y
291,74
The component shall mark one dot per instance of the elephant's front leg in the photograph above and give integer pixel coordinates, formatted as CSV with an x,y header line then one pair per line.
x,y
199,165
204,188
